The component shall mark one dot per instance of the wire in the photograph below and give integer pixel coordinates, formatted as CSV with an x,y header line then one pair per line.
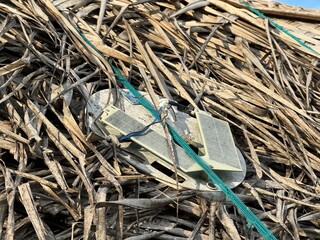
x,y
143,130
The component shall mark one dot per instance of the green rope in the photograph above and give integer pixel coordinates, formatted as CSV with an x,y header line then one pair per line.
x,y
281,28
252,219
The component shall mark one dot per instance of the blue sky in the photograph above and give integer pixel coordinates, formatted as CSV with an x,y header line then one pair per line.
x,y
303,3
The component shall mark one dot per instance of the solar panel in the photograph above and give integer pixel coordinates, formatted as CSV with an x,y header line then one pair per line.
x,y
217,141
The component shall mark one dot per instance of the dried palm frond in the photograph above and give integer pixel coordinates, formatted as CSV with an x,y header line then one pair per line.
x,y
216,55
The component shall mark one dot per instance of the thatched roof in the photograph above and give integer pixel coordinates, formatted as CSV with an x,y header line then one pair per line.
x,y
261,74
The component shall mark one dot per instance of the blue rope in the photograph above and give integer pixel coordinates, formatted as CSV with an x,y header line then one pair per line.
x,y
281,28
252,219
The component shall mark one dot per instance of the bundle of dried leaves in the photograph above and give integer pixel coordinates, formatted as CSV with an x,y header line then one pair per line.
x,y
216,54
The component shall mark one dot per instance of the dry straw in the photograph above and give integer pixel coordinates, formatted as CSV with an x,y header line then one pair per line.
x,y
58,182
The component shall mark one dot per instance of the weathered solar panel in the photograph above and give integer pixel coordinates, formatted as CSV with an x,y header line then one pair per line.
x,y
218,148
218,141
